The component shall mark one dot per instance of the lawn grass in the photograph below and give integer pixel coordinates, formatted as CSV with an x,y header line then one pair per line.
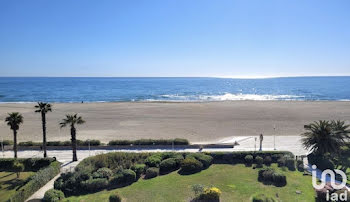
x,y
9,183
237,183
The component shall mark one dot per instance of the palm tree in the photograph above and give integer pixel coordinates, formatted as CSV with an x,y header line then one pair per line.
x,y
325,137
13,120
72,120
43,108
341,129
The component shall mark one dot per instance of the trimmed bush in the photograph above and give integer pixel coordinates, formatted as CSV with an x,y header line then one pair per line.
x,y
168,165
259,161
30,143
36,182
290,163
281,162
7,142
125,177
268,160
103,173
30,164
270,176
94,185
238,157
120,142
206,160
151,173
300,165
71,183
279,179
190,165
53,195
177,141
61,143
154,160
114,160
139,169
249,159
115,198
262,198
210,194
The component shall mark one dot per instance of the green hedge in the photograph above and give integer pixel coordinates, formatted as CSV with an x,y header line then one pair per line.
x,y
7,142
176,141
271,176
151,173
61,143
38,180
239,157
30,164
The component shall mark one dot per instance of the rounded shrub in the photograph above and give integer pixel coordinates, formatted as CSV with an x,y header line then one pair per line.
x,y
168,165
263,198
103,173
139,169
154,160
300,165
210,194
259,161
53,195
115,198
125,176
290,164
151,173
268,160
279,179
206,160
249,159
191,165
281,162
92,185
271,176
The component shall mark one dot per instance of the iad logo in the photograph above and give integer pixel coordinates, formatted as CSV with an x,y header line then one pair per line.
x,y
329,176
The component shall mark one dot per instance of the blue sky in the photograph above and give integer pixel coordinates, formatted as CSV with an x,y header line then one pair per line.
x,y
174,38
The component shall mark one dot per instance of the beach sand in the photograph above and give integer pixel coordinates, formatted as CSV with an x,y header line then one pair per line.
x,y
197,122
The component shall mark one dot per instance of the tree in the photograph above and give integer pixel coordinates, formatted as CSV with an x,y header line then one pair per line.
x,y
325,137
13,120
43,108
18,168
72,120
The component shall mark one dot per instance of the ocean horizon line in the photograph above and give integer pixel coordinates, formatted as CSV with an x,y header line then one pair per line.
x,y
199,77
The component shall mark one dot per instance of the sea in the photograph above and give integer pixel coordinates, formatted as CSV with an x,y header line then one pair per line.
x,y
171,89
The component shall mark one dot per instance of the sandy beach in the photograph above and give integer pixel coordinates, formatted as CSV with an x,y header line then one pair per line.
x,y
197,122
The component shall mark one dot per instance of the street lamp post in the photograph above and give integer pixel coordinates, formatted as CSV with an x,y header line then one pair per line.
x,y
255,144
89,146
2,147
274,137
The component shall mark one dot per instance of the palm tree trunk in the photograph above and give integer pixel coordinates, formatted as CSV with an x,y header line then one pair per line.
x,y
15,142
43,119
74,143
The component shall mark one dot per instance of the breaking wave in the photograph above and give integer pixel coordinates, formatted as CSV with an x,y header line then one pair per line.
x,y
225,97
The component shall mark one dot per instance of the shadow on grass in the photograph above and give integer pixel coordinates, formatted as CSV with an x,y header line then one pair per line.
x,y
14,183
7,175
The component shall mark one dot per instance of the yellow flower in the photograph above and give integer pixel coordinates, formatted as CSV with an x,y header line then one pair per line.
x,y
212,191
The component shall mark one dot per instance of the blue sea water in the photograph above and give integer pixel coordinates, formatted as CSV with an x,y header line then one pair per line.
x,y
35,89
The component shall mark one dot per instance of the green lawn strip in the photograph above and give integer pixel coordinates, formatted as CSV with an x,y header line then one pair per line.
x,y
237,183
9,183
